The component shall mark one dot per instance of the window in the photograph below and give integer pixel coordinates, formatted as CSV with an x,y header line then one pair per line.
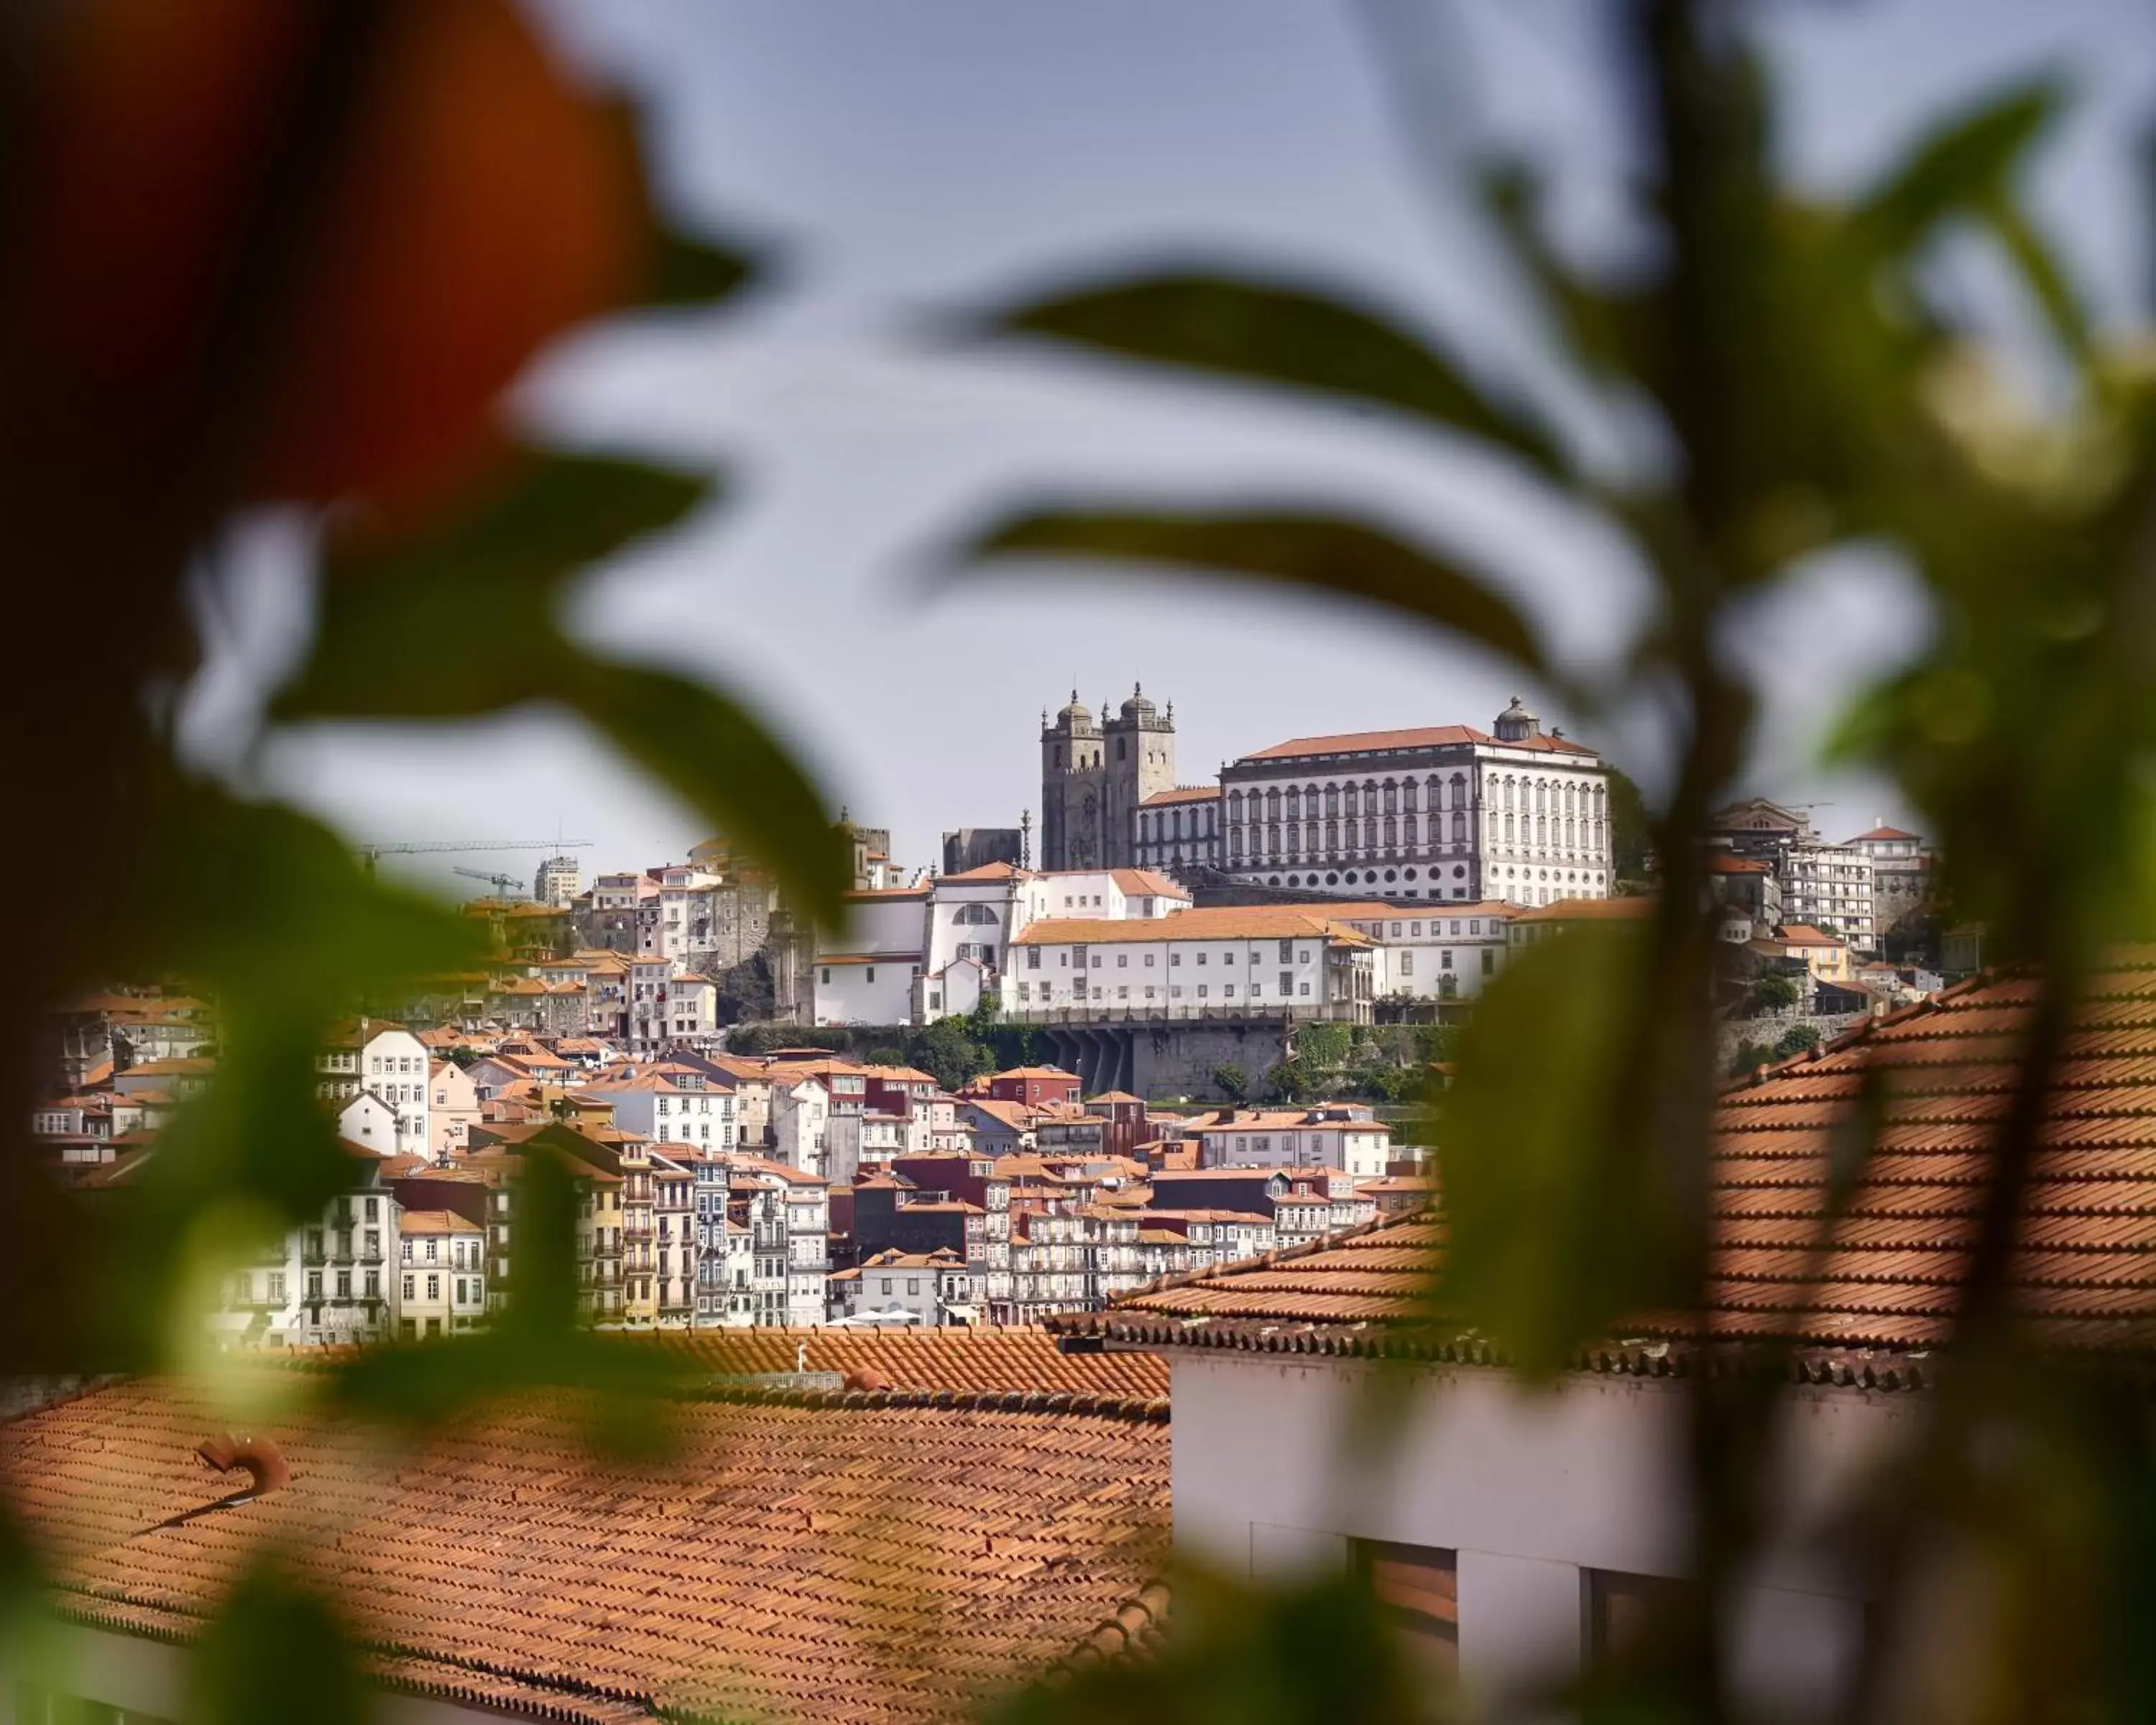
x,y
1033,957
1489,961
1287,984
344,1285
1444,958
277,1287
1417,1588
1407,964
1621,1609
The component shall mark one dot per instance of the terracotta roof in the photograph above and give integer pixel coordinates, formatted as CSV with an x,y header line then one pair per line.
x,y
1222,922
1183,793
435,1221
987,871
868,957
875,892
1429,736
1015,1357
1588,910
1140,883
1721,862
1033,1072
1886,833
2085,1273
864,1557
1802,934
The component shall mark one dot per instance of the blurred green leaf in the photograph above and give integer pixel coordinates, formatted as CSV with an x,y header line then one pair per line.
x,y
1557,1224
1271,332
260,903
714,755
1601,326
690,271
1319,1653
465,620
491,582
1322,553
1961,167
276,1653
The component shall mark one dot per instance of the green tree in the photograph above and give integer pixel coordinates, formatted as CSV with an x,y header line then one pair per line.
x,y
1231,1080
1773,992
1749,1058
1285,1081
1631,834
1795,1041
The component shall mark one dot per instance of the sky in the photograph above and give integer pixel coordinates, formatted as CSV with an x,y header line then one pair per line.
x,y
907,165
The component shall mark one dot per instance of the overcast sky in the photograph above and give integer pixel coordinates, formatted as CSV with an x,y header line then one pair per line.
x,y
911,160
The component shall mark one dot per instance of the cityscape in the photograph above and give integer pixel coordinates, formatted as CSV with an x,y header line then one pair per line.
x,y
1349,914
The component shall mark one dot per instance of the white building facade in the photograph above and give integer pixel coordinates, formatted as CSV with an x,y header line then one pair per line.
x,y
1234,960
1448,813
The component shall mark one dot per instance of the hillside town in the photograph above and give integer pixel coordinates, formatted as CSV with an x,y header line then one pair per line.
x,y
750,1145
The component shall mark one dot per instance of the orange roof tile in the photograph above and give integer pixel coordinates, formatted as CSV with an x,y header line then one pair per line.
x,y
1428,736
1588,910
986,872
2086,1274
1183,793
750,1574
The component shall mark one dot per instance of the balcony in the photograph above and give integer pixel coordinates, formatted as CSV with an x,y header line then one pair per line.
x,y
313,1255
636,1228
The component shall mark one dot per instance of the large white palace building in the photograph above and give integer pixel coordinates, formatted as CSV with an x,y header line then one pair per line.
x,y
1447,812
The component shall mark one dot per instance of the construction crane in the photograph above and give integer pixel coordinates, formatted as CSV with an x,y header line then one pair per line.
x,y
370,853
502,883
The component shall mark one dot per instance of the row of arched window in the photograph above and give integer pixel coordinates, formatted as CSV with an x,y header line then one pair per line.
x,y
1165,825
1380,796
1288,841
1282,823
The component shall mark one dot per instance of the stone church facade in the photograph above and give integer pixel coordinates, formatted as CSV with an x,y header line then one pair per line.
x,y
1093,775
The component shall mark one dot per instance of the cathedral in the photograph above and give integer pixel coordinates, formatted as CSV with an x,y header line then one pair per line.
x,y
1093,777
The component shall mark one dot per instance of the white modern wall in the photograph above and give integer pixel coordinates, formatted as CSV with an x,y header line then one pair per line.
x,y
1276,1469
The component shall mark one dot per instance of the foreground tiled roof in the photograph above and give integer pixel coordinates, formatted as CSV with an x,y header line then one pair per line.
x,y
989,1359
882,1559
2085,1278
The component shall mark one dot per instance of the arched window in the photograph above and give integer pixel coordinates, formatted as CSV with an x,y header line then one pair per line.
x,y
1571,832
1392,832
974,913
1408,827
1459,827
1234,841
1434,787
1331,800
1272,804
1391,797
1407,796
1369,832
1541,830
1273,838
1351,799
1332,835
1234,807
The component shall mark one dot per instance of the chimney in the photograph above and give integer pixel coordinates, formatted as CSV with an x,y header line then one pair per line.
x,y
264,1463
